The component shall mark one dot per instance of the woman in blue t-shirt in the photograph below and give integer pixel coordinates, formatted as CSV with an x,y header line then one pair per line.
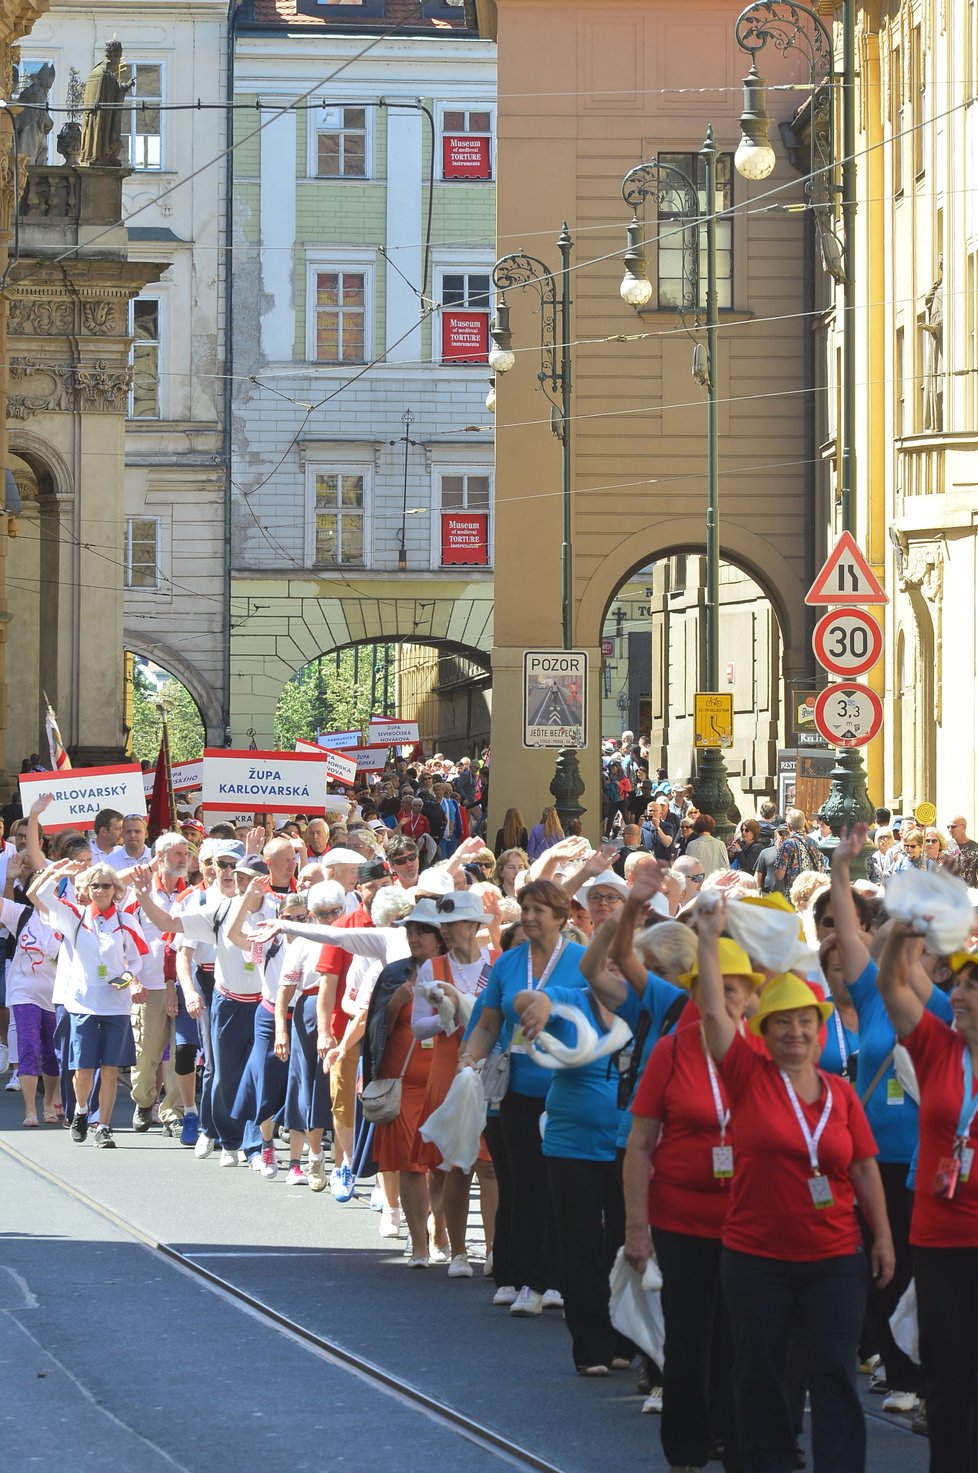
x,y
891,1113
545,959
582,1122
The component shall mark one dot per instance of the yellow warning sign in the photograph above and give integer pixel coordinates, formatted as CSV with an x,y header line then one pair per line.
x,y
713,719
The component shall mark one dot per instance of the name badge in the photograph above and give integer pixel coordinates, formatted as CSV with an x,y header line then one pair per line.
x,y
517,1046
821,1190
722,1161
103,970
894,1092
966,1158
249,966
427,1043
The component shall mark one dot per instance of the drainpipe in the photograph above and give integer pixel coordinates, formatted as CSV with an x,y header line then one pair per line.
x,y
233,6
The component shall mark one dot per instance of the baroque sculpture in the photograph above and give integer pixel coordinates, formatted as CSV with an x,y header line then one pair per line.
x,y
102,128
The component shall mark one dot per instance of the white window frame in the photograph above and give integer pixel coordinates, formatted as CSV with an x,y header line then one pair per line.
x,y
340,260
133,112
462,266
370,156
316,468
153,587
131,324
460,468
469,106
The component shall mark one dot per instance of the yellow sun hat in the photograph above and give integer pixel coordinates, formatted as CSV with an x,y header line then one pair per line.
x,y
773,901
958,960
734,962
782,995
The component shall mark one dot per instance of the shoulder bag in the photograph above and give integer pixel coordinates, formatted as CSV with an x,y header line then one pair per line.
x,y
381,1098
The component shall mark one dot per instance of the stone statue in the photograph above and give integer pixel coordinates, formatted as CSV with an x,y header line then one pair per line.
x,y
933,326
104,93
69,142
33,125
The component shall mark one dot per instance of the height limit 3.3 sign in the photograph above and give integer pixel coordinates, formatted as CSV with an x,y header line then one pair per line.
x,y
555,698
848,714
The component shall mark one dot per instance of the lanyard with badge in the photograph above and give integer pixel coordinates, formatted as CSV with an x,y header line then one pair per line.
x,y
957,1167
843,1046
125,978
723,1165
819,1185
532,985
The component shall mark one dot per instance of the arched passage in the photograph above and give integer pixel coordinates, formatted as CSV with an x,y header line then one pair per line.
x,y
442,684
149,684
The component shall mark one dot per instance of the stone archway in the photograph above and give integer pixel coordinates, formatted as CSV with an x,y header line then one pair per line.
x,y
205,699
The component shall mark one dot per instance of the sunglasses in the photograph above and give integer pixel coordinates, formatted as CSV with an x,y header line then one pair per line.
x,y
696,879
101,887
226,863
932,841
445,905
405,859
828,922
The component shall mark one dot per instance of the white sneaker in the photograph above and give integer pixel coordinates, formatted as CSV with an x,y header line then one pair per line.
x,y
12,1085
487,1266
390,1222
899,1401
4,1058
377,1200
527,1302
204,1147
460,1267
230,1158
505,1295
267,1164
439,1255
653,1402
552,1299
316,1174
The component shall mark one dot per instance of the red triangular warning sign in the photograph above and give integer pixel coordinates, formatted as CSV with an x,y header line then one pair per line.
x,y
846,578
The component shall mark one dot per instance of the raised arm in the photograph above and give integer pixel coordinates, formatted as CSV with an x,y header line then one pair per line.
x,y
142,883
903,1006
571,848
43,893
246,905
717,1025
853,954
609,987
645,883
34,849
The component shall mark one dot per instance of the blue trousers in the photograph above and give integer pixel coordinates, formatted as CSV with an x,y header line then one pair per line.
x,y
261,1093
232,1036
822,1303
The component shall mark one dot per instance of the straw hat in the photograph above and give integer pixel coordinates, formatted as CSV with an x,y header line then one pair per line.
x,y
734,962
783,995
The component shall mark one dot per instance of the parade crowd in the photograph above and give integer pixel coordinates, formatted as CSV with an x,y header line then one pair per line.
x,y
732,1062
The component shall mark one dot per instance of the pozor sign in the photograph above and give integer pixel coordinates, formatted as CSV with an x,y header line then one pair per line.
x,y
555,698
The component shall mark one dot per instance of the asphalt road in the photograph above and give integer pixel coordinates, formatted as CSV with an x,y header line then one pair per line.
x,y
113,1357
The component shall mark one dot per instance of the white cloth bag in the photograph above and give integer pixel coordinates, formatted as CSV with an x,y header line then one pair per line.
x,y
636,1306
455,1128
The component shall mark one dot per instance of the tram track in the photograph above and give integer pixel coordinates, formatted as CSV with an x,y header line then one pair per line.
x,y
367,1371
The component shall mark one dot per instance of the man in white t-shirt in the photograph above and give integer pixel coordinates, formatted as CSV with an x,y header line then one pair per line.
x,y
133,849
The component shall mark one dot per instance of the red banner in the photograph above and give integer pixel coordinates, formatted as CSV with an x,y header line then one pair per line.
x,y
465,539
464,336
465,158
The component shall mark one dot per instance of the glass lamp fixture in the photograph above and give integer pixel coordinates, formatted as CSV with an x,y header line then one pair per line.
x,y
491,397
501,356
755,158
636,288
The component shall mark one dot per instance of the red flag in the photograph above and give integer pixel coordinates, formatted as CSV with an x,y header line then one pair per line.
x,y
162,808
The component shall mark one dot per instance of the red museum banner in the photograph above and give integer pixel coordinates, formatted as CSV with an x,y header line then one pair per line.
x,y
465,539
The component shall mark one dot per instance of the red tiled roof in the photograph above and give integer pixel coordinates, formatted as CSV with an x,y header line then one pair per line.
x,y
407,12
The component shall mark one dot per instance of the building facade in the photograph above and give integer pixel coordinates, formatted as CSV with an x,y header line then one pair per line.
x,y
637,84
917,271
361,453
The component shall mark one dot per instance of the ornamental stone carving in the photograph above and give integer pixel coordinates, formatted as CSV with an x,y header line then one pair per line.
x,y
40,317
102,388
100,319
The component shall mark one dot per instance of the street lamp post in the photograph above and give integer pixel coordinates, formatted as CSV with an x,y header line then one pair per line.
x,y
554,376
664,182
789,25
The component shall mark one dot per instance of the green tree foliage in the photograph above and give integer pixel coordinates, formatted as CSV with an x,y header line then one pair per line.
x,y
183,719
335,693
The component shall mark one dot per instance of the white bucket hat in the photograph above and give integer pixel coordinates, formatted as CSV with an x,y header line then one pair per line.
x,y
607,878
425,913
461,905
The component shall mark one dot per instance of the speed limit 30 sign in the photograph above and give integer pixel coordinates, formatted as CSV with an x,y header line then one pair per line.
x,y
847,642
848,714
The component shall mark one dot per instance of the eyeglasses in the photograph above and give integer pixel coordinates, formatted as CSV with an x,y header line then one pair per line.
x,y
828,922
226,863
405,859
954,825
932,841
696,879
101,887
912,848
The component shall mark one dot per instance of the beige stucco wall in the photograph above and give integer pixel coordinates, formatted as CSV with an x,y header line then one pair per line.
x,y
588,91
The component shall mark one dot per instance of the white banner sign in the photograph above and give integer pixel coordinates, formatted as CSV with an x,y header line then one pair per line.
x,y
391,732
187,777
339,741
370,759
265,782
82,792
341,767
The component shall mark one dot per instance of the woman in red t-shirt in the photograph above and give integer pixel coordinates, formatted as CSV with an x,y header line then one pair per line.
x,y
678,1168
944,1226
793,1261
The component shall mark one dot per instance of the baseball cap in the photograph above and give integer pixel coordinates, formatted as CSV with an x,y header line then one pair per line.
x,y
251,864
228,849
